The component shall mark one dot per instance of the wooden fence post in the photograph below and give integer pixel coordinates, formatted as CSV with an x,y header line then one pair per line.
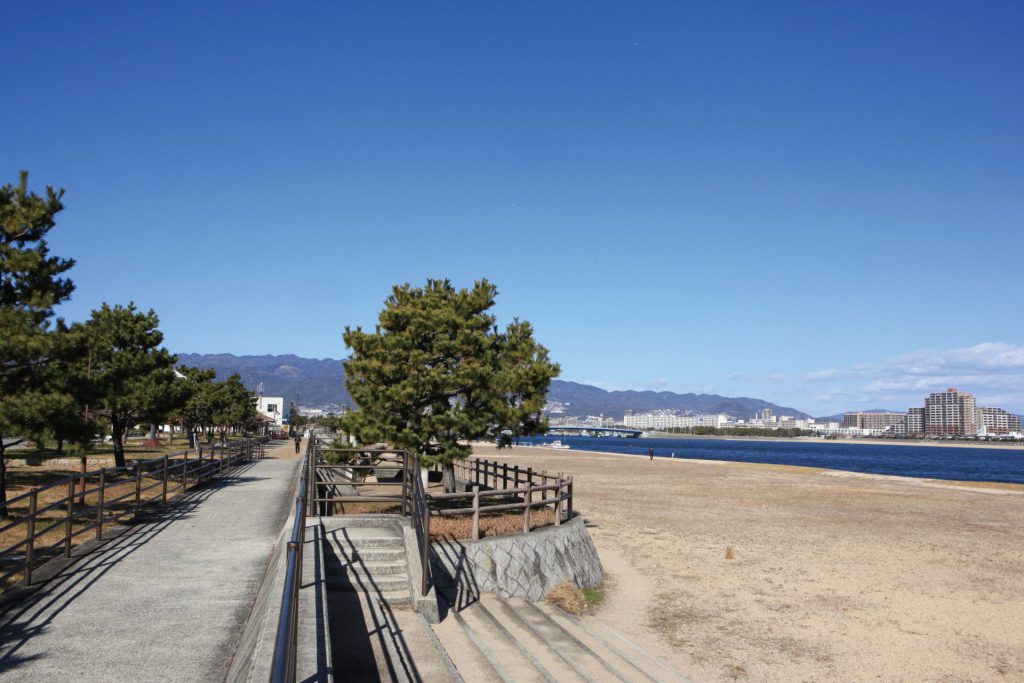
x,y
544,493
558,503
526,509
476,513
529,477
504,475
569,502
67,521
30,533
516,472
138,486
101,490
165,479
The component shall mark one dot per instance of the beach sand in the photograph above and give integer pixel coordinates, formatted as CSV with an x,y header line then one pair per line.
x,y
835,576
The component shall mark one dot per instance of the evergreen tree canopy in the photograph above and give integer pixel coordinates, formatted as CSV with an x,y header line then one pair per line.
x,y
133,378
31,284
437,373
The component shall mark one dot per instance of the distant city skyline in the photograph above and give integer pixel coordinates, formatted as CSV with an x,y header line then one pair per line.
x,y
819,205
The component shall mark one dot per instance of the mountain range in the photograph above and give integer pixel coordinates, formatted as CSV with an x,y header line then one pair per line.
x,y
321,382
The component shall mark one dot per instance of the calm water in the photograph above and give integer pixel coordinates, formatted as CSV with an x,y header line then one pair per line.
x,y
964,464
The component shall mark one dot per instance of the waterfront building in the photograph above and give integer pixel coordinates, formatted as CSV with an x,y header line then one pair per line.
x,y
667,419
950,413
915,422
997,421
876,422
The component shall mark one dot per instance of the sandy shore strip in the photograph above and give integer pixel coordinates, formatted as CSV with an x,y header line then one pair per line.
x,y
834,576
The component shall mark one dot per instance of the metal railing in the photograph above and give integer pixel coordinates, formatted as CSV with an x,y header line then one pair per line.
x,y
286,643
56,515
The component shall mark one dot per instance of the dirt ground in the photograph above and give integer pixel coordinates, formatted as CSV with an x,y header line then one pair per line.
x,y
735,571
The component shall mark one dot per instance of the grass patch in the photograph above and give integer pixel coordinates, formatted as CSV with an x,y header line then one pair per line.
x,y
573,600
500,524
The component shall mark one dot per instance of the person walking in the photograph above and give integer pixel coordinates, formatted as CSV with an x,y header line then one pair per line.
x,y
650,452
298,442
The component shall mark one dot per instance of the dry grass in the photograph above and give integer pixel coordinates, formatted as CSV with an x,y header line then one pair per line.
x,y
461,527
117,485
373,508
575,600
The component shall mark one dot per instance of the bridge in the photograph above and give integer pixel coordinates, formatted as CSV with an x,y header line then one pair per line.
x,y
594,431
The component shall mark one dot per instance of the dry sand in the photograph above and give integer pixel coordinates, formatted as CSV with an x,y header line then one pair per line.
x,y
834,577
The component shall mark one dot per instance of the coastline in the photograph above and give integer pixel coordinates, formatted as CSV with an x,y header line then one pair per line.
x,y
858,441
489,450
754,571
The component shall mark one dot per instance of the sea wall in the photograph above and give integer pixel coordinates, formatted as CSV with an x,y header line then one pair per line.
x,y
519,565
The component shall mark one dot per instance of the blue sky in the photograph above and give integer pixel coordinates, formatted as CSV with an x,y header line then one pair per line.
x,y
819,204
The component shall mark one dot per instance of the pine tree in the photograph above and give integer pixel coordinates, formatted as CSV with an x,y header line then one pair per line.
x,y
437,374
133,378
32,282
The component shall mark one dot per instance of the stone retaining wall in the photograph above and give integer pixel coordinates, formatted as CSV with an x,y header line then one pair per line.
x,y
519,565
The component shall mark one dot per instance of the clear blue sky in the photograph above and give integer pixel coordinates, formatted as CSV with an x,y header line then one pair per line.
x,y
819,204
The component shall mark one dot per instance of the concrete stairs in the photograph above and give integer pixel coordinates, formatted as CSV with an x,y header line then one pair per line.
x,y
375,634
513,640
368,559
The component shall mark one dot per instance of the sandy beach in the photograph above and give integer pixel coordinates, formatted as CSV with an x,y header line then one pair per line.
x,y
834,576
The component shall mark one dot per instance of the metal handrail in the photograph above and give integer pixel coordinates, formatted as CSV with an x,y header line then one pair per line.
x,y
286,643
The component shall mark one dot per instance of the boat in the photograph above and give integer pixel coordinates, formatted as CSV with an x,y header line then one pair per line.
x,y
558,445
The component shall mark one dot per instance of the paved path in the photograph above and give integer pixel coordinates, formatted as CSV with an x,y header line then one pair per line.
x,y
165,602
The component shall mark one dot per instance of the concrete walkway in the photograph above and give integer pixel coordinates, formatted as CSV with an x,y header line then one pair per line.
x,y
163,602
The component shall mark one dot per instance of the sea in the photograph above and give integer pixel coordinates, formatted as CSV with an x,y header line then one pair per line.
x,y
930,462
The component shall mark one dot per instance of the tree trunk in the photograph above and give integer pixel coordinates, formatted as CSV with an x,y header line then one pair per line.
x,y
117,432
3,481
152,431
448,477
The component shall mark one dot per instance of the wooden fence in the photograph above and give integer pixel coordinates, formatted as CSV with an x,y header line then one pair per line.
x,y
55,517
510,487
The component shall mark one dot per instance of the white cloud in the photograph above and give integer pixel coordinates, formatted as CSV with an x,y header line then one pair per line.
x,y
993,371
824,375
735,376
777,377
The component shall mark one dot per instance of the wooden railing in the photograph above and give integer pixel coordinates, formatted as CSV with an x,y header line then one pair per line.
x,y
493,479
511,487
92,501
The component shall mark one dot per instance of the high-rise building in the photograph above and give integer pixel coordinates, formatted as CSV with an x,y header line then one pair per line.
x,y
915,422
997,421
950,413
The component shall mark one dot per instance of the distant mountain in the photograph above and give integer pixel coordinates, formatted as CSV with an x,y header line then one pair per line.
x,y
307,381
321,381
584,399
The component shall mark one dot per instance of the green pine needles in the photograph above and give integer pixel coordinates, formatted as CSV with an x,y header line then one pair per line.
x,y
437,374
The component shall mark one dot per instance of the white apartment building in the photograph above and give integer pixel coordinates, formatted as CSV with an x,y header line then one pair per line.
x,y
667,419
997,421
950,413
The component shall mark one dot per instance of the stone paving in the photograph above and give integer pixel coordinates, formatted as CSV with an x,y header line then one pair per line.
x,y
163,602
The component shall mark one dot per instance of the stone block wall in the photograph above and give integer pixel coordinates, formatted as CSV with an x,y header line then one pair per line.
x,y
519,565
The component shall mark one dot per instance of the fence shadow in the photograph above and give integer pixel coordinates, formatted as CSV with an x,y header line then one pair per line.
x,y
30,617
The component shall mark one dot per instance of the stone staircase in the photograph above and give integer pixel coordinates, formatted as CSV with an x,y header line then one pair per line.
x,y
513,640
369,559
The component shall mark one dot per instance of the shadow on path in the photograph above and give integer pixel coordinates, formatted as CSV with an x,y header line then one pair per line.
x,y
29,618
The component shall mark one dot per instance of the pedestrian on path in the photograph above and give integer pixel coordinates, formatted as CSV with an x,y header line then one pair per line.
x,y
298,442
650,452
